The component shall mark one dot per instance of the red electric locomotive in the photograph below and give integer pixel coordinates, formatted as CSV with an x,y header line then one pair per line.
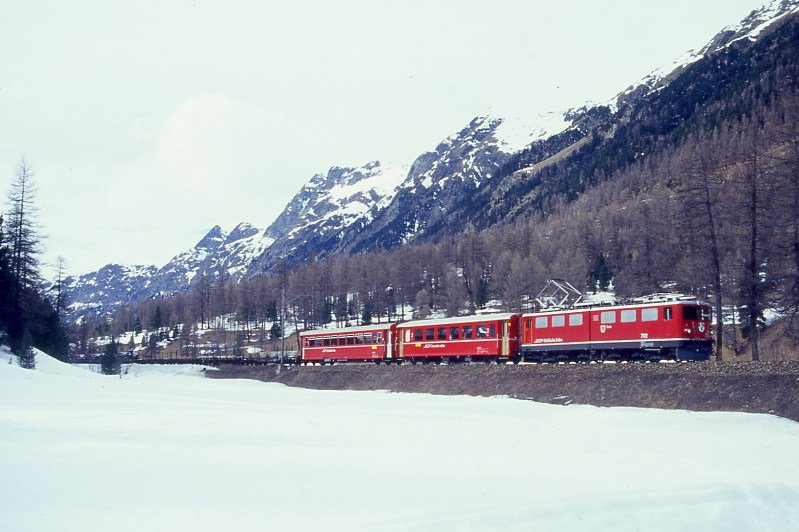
x,y
489,337
368,342
672,327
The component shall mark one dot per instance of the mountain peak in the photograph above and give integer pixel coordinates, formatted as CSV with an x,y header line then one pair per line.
x,y
749,28
241,231
212,239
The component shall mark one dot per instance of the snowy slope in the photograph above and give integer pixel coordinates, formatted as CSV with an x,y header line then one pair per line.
x,y
342,198
220,253
195,454
749,28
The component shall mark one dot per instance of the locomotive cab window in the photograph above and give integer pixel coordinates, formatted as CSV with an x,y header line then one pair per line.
x,y
541,322
575,319
558,321
649,314
628,316
608,317
689,312
454,333
467,332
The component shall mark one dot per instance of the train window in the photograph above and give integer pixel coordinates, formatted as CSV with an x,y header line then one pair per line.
x,y
649,314
417,335
367,338
541,322
379,337
558,321
467,332
430,334
442,333
482,331
350,340
608,317
689,313
667,313
628,316
454,333
492,330
575,319
327,342
358,339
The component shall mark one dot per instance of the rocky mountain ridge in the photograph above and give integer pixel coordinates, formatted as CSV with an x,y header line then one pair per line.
x,y
493,170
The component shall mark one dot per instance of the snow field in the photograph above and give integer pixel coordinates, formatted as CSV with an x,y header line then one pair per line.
x,y
154,451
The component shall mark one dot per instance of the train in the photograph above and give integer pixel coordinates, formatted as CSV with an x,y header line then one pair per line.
x,y
651,328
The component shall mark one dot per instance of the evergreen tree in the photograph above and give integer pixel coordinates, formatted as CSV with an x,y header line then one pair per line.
x,y
157,318
109,363
275,332
25,352
366,314
600,274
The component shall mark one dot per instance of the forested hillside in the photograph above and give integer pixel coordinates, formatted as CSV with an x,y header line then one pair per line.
x,y
29,317
690,186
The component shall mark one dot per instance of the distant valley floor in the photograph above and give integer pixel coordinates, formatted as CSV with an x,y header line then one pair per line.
x,y
758,387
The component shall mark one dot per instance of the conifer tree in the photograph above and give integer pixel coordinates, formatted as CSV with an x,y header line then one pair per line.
x,y
25,353
109,364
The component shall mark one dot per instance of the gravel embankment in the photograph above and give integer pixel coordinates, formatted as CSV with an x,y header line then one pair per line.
x,y
763,387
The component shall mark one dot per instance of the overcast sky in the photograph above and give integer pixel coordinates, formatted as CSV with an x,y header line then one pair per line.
x,y
147,123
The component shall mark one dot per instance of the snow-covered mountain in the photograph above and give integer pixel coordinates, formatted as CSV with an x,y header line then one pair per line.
x,y
488,172
343,199
110,286
750,28
445,176
219,253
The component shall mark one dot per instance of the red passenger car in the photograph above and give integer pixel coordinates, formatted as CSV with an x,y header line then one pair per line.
x,y
367,342
644,329
488,337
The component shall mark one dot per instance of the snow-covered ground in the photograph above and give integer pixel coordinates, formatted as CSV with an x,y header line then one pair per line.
x,y
164,449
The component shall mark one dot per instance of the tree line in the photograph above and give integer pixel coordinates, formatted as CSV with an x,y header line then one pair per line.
x,y
29,317
716,216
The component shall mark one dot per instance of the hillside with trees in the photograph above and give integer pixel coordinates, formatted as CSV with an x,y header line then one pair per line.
x,y
28,316
692,186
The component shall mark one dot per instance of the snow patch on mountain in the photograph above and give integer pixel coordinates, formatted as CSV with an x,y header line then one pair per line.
x,y
747,29
343,195
515,133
